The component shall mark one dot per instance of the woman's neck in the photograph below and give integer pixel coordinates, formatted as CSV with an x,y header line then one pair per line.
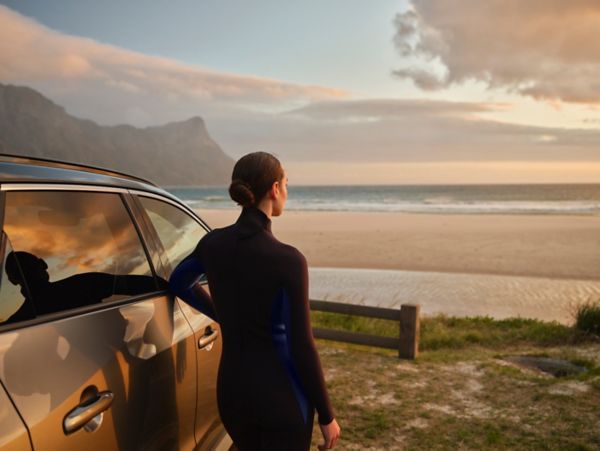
x,y
266,206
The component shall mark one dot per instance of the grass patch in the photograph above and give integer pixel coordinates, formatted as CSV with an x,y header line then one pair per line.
x,y
375,423
587,318
445,332
383,327
450,332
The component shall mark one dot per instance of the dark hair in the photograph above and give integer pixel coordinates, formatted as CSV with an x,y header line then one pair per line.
x,y
253,175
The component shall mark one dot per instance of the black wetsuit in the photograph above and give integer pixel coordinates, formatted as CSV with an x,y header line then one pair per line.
x,y
270,377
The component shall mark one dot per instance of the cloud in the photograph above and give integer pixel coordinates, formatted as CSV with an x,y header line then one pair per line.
x,y
97,233
442,172
137,87
389,108
547,49
378,131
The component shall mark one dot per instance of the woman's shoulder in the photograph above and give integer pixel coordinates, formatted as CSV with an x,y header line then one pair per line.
x,y
290,253
220,232
211,237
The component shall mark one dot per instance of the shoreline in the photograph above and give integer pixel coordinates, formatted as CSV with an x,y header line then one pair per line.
x,y
288,211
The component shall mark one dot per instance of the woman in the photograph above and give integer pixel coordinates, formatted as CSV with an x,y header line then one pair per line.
x,y
270,378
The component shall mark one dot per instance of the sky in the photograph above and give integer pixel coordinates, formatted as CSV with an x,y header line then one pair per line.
x,y
343,91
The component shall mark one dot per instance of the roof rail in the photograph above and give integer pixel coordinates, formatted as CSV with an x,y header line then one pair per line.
x,y
70,165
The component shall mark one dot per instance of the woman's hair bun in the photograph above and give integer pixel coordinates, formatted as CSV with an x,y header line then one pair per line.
x,y
240,192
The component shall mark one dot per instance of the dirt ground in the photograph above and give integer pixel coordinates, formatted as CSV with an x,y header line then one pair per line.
x,y
468,399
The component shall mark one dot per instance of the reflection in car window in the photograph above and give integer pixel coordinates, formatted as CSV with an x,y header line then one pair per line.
x,y
11,299
178,231
70,249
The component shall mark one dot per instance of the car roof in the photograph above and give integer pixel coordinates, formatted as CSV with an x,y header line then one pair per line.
x,y
24,169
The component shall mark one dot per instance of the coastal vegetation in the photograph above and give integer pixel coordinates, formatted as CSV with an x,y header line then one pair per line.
x,y
588,317
466,390
447,332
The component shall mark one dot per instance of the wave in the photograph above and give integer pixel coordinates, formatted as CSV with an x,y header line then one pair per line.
x,y
521,199
506,207
573,208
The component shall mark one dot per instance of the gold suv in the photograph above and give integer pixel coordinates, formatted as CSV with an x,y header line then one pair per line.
x,y
95,353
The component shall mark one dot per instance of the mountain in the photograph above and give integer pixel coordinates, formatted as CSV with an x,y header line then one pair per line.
x,y
178,153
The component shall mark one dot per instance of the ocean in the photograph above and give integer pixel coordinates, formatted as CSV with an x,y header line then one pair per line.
x,y
574,199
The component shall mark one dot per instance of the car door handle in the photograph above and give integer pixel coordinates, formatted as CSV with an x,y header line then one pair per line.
x,y
87,411
210,335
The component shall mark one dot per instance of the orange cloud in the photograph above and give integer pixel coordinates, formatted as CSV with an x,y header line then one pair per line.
x,y
547,49
450,172
89,239
33,54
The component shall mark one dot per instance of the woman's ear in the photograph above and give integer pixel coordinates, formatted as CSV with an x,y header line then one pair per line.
x,y
274,191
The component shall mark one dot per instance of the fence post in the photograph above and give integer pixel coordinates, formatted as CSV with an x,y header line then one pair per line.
x,y
408,347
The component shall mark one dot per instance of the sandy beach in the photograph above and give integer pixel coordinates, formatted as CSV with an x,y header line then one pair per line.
x,y
523,245
535,266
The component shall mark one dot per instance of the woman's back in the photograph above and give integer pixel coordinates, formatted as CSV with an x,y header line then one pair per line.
x,y
270,371
246,265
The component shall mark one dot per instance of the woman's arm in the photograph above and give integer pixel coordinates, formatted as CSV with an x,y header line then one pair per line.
x,y
302,344
184,283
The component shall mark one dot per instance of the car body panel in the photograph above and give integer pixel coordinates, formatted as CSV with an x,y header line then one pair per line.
x,y
13,433
207,419
141,352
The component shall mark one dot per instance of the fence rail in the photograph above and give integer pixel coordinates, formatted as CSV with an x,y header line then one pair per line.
x,y
407,316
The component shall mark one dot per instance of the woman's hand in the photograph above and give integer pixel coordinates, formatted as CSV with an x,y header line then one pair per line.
x,y
331,433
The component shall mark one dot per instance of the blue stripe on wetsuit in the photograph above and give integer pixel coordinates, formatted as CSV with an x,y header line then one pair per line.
x,y
183,278
280,331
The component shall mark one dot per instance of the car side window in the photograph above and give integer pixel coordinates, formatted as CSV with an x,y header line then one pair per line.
x,y
12,295
177,230
66,249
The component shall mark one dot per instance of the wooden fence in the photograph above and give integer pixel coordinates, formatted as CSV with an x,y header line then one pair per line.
x,y
407,316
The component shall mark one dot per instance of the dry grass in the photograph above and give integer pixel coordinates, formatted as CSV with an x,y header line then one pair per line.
x,y
461,399
448,332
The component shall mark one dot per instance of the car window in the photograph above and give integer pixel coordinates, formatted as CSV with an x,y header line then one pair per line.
x,y
65,250
177,230
11,294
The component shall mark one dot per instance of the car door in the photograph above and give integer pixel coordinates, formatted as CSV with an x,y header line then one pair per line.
x,y
178,233
13,433
92,351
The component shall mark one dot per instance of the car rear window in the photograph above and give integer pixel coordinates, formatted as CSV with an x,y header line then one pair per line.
x,y
63,250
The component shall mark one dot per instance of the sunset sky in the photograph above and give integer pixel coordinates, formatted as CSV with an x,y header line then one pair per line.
x,y
343,91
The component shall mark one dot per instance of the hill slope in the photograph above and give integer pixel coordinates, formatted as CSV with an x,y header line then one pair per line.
x,y
178,153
